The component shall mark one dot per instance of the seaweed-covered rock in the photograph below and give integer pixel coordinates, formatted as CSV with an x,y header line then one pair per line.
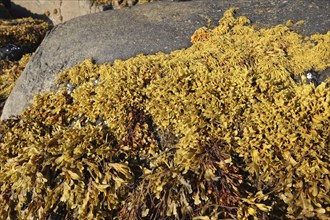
x,y
246,140
147,29
17,37
20,36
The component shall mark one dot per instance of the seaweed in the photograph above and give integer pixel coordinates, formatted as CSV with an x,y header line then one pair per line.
x,y
9,73
25,32
18,38
220,130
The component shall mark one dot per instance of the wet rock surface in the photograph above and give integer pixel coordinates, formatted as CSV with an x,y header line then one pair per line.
x,y
147,29
314,77
11,52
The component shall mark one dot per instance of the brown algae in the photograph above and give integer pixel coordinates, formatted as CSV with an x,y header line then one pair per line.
x,y
23,32
9,73
24,35
218,130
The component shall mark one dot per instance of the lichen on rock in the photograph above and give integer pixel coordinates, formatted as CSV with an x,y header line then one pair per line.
x,y
217,130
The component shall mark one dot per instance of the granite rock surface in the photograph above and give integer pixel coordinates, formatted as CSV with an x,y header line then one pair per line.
x,y
161,26
57,11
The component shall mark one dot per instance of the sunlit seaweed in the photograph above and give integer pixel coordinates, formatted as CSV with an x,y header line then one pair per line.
x,y
218,130
9,73
18,38
24,32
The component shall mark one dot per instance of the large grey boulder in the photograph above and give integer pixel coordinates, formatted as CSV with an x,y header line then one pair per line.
x,y
147,29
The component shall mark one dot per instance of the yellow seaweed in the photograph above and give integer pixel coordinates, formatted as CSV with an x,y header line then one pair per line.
x,y
218,130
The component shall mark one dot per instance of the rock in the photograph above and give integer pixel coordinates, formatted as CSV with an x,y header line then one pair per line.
x,y
64,10
4,6
11,52
6,3
147,29
56,11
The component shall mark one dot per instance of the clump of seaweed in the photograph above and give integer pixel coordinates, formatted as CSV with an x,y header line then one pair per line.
x,y
218,130
18,37
24,32
9,73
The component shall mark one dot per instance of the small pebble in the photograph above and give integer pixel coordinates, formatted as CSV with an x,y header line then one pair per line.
x,y
309,75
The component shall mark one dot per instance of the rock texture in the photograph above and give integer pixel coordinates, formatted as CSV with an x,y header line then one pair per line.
x,y
6,3
4,6
147,29
56,10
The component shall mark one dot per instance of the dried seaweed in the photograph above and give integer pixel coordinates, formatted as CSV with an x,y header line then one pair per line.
x,y
18,38
220,130
9,73
24,32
